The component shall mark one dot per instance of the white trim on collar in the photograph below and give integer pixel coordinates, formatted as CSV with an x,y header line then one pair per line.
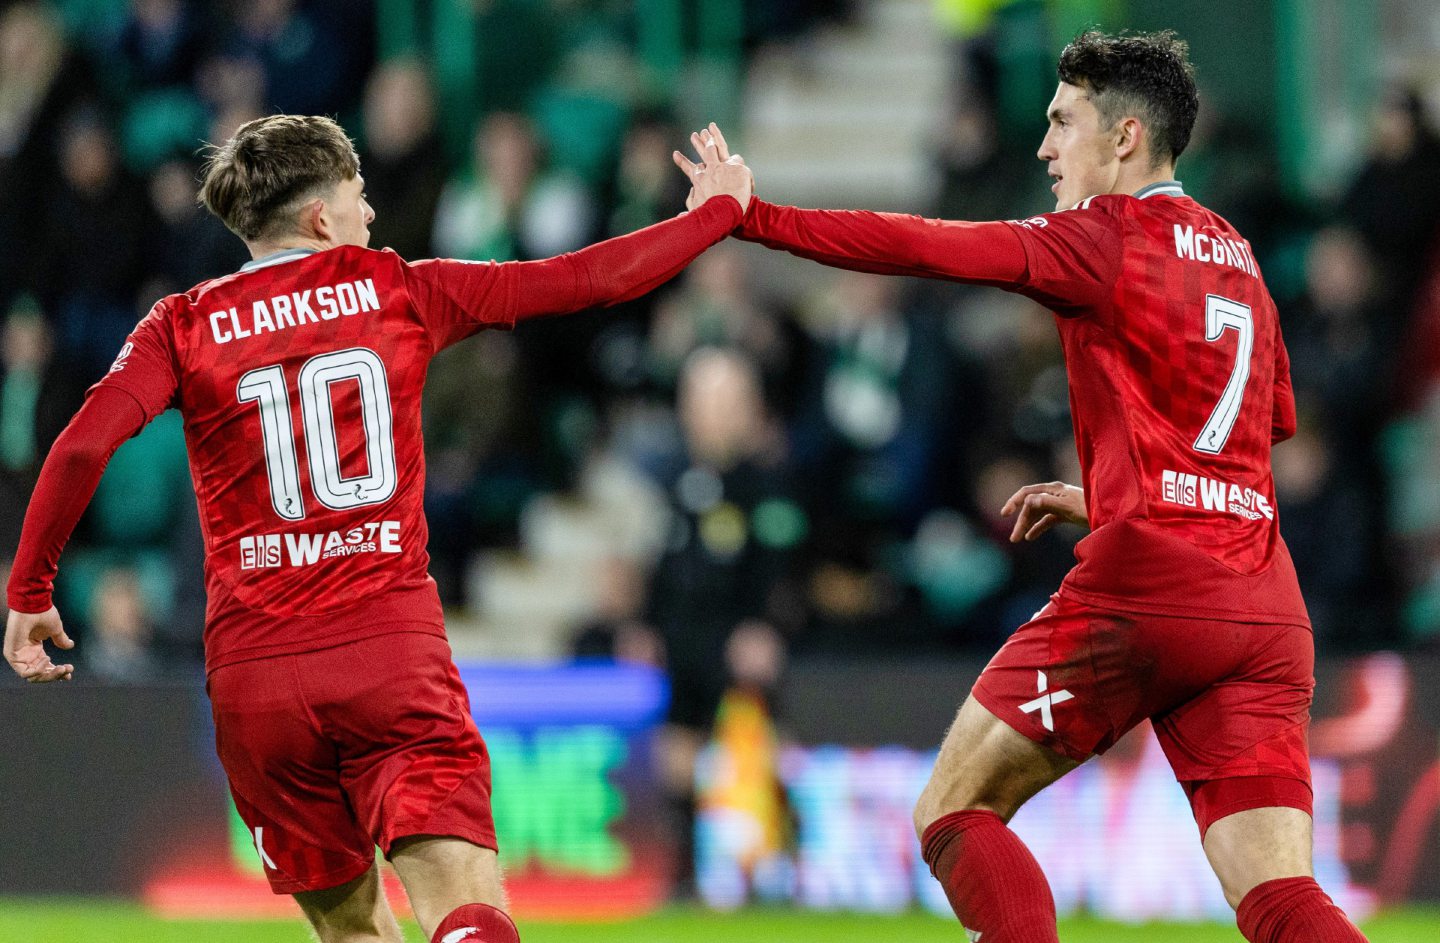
x,y
276,258
1164,188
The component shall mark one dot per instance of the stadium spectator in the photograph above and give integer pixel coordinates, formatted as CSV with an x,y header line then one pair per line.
x,y
1394,199
117,647
160,42
722,592
41,81
715,304
402,157
185,245
91,247
37,396
506,205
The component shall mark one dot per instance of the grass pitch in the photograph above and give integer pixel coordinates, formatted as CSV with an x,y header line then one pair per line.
x,y
82,921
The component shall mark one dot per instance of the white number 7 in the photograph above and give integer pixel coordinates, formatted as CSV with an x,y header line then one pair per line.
x,y
1222,314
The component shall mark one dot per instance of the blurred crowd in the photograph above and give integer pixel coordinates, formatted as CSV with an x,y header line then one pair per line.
x,y
810,465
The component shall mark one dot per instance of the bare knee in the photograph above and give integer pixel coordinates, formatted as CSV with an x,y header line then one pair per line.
x,y
985,766
1258,845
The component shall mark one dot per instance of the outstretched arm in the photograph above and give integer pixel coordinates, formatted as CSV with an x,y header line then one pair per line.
x,y
67,483
1066,261
891,243
459,298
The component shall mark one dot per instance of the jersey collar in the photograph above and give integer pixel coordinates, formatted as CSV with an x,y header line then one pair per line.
x,y
276,258
1161,188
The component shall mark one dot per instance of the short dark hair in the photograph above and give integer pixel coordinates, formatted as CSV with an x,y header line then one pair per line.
x,y
263,174
1147,75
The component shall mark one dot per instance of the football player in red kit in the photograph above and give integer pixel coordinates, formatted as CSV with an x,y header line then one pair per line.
x,y
1183,607
339,716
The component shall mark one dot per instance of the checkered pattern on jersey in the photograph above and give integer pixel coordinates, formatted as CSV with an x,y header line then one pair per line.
x,y
1152,356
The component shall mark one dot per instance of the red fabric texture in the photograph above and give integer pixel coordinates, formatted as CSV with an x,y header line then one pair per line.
x,y
333,752
1294,910
67,482
1227,699
1156,299
234,354
1212,800
991,879
476,923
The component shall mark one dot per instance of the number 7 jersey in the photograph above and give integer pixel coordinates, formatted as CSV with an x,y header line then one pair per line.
x,y
299,379
1179,386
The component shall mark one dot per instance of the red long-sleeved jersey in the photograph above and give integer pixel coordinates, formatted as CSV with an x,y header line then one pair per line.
x,y
299,379
1179,381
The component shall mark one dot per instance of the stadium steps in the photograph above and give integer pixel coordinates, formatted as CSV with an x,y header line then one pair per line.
x,y
847,116
527,604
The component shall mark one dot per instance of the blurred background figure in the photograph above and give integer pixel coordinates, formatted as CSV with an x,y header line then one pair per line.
x,y
38,395
402,161
117,645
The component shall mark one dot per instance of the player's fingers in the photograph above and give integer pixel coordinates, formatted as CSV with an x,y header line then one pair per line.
x,y
684,163
1041,526
712,152
1018,498
60,639
720,145
699,145
53,673
1022,524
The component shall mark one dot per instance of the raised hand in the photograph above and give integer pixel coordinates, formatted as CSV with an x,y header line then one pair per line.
x,y
25,637
717,172
1041,507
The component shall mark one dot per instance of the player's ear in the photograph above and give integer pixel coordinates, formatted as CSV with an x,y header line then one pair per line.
x,y
1129,137
316,218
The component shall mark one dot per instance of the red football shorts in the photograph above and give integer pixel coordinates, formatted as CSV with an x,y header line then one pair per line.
x,y
332,752
1230,701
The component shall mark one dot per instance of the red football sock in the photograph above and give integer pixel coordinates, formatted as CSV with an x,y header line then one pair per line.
x,y
476,923
1293,910
992,881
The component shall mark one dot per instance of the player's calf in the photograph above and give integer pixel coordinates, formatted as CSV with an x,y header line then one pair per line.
x,y
984,773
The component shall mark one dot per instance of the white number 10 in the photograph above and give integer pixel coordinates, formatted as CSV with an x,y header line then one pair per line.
x,y
1222,314
267,387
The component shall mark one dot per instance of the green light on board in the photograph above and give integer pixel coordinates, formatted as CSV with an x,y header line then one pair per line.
x,y
553,802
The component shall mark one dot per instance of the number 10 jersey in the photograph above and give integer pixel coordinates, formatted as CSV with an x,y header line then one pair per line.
x,y
300,379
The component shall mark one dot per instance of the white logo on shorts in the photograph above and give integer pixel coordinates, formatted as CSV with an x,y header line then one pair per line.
x,y
456,936
972,935
268,861
1045,702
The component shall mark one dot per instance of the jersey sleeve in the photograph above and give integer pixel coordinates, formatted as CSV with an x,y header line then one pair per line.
x,y
1066,261
1072,257
457,298
67,482
147,368
1283,420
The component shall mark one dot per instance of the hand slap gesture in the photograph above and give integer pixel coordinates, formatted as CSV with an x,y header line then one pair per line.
x,y
717,172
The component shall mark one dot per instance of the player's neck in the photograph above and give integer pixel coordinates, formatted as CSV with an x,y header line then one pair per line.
x,y
1132,180
258,250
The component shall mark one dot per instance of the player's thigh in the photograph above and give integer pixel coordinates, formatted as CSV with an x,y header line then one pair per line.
x,y
1241,743
1059,691
1248,848
984,764
354,912
412,760
442,873
285,778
